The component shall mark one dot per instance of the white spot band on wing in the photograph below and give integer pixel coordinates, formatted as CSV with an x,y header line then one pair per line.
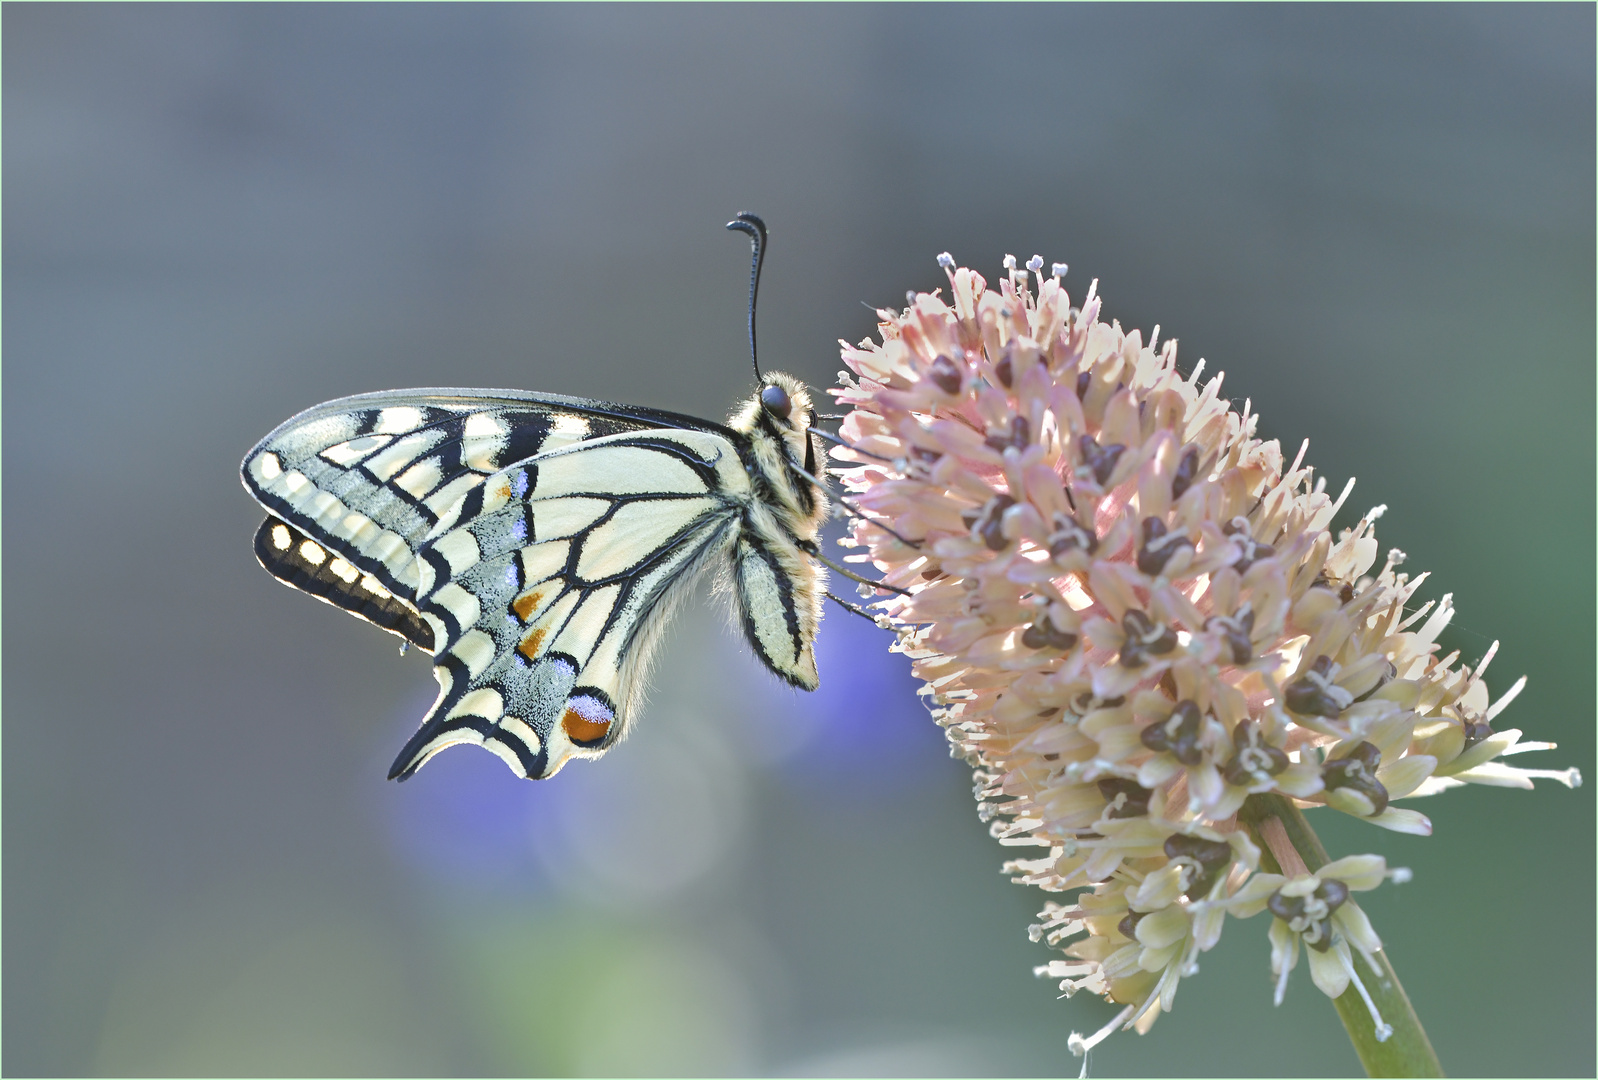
x,y
459,549
476,650
346,454
484,702
399,420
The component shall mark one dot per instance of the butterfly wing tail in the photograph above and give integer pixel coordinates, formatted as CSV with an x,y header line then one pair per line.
x,y
479,716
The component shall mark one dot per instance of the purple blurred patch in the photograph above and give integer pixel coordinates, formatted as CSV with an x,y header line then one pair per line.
x,y
466,818
865,723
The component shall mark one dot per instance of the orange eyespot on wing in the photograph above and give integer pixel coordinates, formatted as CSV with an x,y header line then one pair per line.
x,y
587,719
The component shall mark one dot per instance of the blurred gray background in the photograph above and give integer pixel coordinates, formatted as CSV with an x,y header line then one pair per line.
x,y
1379,221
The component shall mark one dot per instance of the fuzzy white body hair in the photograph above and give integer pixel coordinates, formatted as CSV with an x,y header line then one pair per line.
x,y
780,590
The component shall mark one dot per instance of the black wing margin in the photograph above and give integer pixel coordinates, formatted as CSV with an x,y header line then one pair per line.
x,y
297,560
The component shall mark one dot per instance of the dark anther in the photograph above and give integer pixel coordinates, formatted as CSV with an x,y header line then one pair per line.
x,y
1345,592
775,399
946,374
1310,916
1101,459
1186,472
1051,757
1357,772
1254,761
1083,381
1069,535
921,462
1286,908
1252,550
1167,684
1334,892
1143,639
1206,858
931,573
1043,634
1158,546
1128,924
988,526
1135,803
1178,734
1314,694
1085,703
1237,631
1476,731
1020,434
1004,371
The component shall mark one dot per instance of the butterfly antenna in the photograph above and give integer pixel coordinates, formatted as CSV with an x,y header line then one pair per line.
x,y
749,223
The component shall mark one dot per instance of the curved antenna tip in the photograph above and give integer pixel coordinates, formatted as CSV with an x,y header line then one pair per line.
x,y
746,222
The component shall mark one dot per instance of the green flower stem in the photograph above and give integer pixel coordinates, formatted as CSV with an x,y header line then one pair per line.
x,y
1407,1051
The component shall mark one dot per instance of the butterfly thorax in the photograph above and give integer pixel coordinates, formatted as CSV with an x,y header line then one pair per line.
x,y
781,456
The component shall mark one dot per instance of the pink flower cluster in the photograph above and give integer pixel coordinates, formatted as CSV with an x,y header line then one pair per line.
x,y
1130,616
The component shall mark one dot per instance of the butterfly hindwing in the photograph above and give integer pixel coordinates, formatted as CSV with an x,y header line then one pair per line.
x,y
546,587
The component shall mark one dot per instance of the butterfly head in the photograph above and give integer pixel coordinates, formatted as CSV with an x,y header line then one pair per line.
x,y
781,415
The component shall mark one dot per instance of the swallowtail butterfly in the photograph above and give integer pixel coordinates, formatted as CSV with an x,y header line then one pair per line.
x,y
535,544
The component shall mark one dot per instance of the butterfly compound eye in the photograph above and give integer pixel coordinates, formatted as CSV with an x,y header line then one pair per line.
x,y
775,398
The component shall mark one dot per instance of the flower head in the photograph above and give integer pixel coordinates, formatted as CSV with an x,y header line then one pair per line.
x,y
1131,616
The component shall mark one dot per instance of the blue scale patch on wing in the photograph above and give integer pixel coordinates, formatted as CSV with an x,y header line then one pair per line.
x,y
546,585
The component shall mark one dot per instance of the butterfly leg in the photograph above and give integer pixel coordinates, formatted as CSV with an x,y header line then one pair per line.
x,y
809,548
854,609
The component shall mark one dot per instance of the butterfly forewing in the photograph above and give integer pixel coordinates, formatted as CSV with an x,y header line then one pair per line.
x,y
368,476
